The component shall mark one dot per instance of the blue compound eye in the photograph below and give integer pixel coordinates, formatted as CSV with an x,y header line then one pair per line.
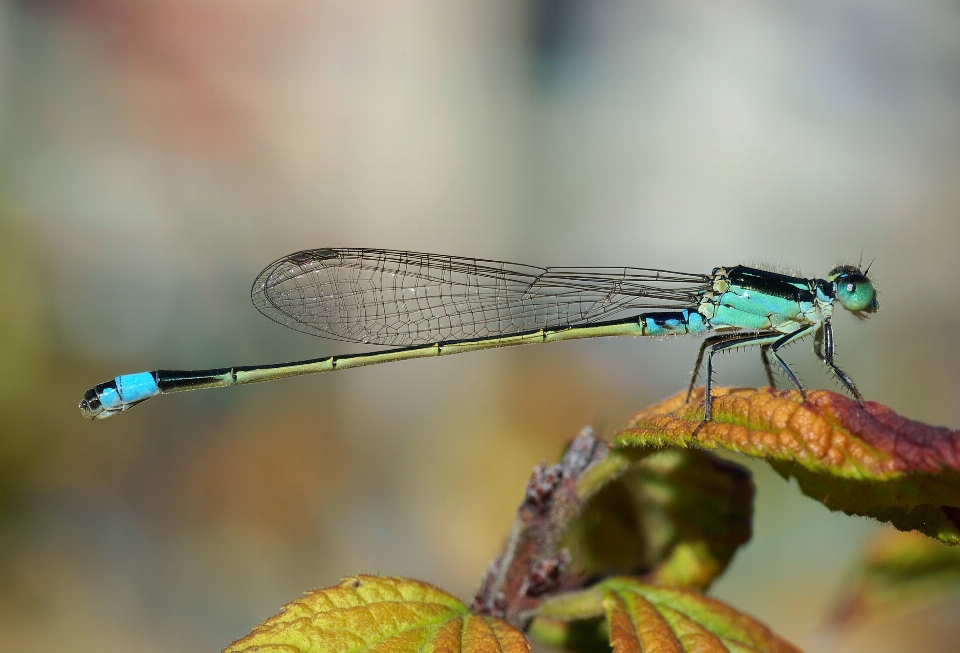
x,y
855,293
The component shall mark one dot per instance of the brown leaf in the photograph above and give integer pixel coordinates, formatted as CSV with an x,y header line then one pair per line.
x,y
382,615
863,460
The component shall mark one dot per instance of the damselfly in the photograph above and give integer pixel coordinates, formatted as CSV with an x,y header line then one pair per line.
x,y
434,305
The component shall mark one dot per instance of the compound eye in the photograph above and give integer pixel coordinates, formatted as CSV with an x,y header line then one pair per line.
x,y
855,293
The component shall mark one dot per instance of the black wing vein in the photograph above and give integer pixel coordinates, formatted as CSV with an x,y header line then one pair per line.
x,y
398,298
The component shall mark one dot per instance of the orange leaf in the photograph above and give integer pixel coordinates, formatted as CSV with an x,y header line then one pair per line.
x,y
380,615
863,460
651,619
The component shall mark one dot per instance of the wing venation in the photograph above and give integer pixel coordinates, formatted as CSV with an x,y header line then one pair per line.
x,y
397,298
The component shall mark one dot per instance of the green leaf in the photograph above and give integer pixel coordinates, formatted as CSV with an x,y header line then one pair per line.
x,y
383,615
863,460
677,515
899,572
654,619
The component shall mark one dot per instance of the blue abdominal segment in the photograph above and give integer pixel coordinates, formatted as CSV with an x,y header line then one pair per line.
x,y
121,393
136,387
672,323
109,398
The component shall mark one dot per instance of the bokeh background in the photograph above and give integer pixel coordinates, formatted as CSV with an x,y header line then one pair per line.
x,y
155,156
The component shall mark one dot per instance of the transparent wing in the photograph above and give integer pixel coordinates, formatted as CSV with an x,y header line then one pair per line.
x,y
397,298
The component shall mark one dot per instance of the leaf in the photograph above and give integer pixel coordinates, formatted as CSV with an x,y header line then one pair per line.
x,y
644,618
899,572
655,619
863,460
678,515
380,615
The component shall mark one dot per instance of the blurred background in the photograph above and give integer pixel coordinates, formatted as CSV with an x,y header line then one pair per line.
x,y
155,156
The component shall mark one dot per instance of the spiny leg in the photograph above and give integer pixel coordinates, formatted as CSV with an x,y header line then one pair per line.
x,y
786,340
823,344
754,339
727,337
765,357
818,343
708,342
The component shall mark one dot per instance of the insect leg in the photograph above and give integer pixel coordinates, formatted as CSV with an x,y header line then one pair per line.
x,y
753,339
782,342
827,357
708,342
765,357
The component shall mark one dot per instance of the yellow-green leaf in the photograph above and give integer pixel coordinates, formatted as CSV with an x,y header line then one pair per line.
x,y
864,460
653,619
380,615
